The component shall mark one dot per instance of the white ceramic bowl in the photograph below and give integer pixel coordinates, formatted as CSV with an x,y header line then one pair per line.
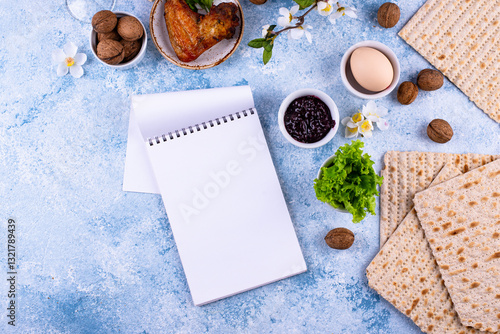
x,y
348,79
327,163
323,97
130,63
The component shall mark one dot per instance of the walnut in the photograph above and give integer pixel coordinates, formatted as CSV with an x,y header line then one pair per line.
x,y
439,131
339,238
429,79
101,36
388,15
110,51
131,49
407,92
258,2
104,21
130,28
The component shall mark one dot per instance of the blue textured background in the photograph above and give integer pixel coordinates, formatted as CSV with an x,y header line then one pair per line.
x,y
94,259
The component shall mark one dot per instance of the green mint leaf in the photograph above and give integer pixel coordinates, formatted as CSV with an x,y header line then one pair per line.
x,y
303,4
257,43
267,56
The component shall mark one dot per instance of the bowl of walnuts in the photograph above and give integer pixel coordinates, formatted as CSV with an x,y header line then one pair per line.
x,y
118,39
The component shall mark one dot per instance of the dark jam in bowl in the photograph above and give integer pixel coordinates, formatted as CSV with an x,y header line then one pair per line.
x,y
308,119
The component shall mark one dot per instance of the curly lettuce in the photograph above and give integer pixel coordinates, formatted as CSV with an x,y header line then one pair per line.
x,y
350,182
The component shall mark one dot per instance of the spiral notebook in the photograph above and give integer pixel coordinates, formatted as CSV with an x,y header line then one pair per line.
x,y
222,197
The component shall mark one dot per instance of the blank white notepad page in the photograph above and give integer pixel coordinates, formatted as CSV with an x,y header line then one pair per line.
x,y
225,206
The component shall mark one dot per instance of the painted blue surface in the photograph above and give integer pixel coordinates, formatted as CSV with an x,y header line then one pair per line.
x,y
94,259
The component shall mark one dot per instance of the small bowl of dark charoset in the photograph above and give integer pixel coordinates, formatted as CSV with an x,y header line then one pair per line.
x,y
308,118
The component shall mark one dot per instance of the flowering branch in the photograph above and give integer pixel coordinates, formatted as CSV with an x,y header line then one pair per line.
x,y
300,21
297,29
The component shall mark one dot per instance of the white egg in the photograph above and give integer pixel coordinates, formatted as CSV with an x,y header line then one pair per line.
x,y
371,69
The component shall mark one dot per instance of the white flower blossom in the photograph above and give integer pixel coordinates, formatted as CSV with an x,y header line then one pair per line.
x,y
375,114
325,8
359,124
353,125
366,128
69,60
298,32
287,16
265,30
341,11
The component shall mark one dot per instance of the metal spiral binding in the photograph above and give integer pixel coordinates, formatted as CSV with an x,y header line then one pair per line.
x,y
200,127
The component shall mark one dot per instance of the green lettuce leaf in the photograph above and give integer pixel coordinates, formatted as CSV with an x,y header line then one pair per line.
x,y
350,182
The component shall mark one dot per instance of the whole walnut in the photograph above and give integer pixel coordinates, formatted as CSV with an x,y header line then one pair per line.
x,y
388,15
130,28
111,52
339,238
407,92
439,131
130,49
429,79
104,21
108,35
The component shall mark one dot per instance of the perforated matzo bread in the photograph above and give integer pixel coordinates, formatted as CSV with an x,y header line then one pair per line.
x,y
406,173
461,39
461,220
405,274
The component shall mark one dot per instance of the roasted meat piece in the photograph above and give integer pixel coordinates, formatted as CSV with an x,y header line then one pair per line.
x,y
191,34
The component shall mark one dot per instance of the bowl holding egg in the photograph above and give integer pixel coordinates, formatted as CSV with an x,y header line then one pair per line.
x,y
370,70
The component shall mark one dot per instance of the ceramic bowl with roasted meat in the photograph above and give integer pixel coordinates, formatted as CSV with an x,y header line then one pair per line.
x,y
196,41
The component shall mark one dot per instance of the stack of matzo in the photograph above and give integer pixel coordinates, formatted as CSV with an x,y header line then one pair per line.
x,y
406,173
405,272
461,220
461,39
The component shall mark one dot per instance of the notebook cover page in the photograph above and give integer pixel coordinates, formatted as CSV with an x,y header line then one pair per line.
x,y
226,209
175,110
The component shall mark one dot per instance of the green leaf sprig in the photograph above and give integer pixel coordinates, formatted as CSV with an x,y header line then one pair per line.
x,y
350,182
268,41
326,8
204,4
304,3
